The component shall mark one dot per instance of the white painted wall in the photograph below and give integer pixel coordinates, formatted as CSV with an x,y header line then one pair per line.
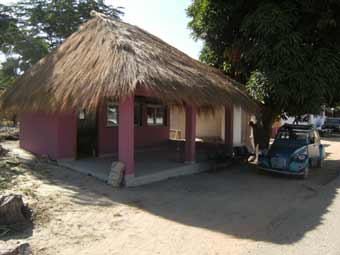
x,y
177,120
207,125
237,129
210,125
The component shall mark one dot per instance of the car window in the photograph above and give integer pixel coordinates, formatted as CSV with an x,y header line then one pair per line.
x,y
292,135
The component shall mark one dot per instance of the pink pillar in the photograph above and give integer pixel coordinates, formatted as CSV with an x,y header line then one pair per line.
x,y
190,134
126,136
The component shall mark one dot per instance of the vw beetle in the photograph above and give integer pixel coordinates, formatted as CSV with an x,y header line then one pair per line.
x,y
295,149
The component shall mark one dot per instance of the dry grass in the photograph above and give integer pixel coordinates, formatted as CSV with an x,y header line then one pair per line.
x,y
110,58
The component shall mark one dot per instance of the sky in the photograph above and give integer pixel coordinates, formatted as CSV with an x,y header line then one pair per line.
x,y
164,18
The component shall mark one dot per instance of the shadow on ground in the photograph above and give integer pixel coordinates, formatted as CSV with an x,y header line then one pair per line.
x,y
238,201
16,232
8,177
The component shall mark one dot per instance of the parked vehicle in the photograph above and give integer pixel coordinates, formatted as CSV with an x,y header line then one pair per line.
x,y
295,149
332,124
324,131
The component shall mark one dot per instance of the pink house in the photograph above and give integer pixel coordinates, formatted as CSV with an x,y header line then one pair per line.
x,y
107,91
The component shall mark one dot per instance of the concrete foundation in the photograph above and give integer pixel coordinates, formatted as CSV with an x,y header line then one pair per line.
x,y
151,165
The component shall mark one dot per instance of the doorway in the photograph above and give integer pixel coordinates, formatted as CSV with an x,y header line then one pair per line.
x,y
87,134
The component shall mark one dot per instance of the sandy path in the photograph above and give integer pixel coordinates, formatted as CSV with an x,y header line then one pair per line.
x,y
236,211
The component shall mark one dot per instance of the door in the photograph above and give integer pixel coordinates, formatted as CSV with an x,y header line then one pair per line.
x,y
86,135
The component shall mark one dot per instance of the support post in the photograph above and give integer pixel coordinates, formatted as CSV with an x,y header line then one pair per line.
x,y
126,134
190,134
229,124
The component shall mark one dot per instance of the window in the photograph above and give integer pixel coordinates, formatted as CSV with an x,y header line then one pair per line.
x,y
112,115
292,135
156,115
81,115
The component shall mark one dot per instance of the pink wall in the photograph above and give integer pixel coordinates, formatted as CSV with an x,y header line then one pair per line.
x,y
107,136
52,135
150,136
145,136
56,135
67,135
34,131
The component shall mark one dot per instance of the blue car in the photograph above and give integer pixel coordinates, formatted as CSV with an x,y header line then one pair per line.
x,y
295,149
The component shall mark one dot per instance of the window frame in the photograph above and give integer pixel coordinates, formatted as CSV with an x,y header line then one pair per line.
x,y
108,105
81,115
156,107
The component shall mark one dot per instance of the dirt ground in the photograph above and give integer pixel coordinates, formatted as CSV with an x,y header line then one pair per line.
x,y
234,211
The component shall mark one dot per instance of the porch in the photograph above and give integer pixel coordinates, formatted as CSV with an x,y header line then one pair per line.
x,y
140,140
151,165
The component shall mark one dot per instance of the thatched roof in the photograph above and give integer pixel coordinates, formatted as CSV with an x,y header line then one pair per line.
x,y
110,58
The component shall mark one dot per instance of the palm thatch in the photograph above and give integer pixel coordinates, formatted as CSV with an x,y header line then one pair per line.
x,y
110,58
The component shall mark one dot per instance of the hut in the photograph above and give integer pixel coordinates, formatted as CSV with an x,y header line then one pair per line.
x,y
108,90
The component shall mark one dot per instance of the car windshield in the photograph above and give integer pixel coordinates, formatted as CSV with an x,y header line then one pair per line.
x,y
293,136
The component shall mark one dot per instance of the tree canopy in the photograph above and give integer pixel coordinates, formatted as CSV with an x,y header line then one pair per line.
x,y
286,51
29,29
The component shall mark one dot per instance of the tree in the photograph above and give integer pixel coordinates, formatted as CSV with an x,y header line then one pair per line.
x,y
9,34
30,29
54,20
7,26
286,51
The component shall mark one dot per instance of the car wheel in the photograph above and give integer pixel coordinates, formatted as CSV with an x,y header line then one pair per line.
x,y
320,163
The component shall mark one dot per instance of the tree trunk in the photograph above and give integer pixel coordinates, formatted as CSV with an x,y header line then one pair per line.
x,y
263,128
13,210
268,121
